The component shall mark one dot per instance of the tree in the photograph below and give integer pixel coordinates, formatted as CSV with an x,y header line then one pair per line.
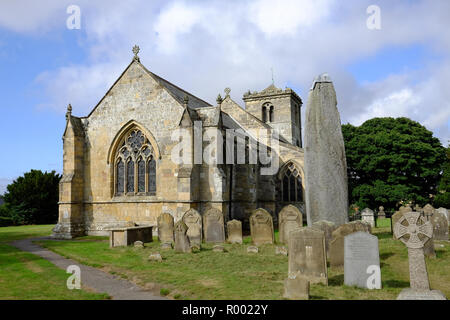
x,y
442,198
33,198
392,160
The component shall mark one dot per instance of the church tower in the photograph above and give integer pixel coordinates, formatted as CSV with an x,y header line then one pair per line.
x,y
279,109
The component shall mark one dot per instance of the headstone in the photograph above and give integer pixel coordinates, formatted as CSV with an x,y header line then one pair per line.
x,y
326,188
445,212
289,219
328,227
336,252
405,208
296,288
428,248
252,249
418,208
182,243
381,213
261,227
428,211
155,257
213,226
440,226
193,220
138,244
234,229
367,215
414,231
165,228
362,261
307,255
281,251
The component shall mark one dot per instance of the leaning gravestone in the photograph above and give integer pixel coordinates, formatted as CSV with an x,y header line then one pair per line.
x,y
193,220
290,218
261,227
440,226
327,227
414,231
336,251
165,228
213,226
182,243
367,215
362,261
307,255
234,229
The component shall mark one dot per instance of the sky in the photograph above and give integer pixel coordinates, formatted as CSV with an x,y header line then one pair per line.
x,y
401,68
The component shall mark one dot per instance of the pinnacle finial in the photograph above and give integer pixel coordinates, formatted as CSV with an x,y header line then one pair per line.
x,y
186,99
219,99
227,92
136,50
69,111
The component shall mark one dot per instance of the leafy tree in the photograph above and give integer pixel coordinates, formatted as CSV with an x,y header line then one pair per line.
x,y
392,160
33,198
442,198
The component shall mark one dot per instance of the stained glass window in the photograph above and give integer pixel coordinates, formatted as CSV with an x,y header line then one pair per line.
x,y
141,175
130,176
120,176
152,176
291,188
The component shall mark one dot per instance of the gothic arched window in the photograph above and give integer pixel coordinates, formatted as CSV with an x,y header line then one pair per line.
x,y
135,165
291,187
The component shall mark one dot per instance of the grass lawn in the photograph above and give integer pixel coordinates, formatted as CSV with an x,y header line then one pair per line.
x,y
236,274
26,276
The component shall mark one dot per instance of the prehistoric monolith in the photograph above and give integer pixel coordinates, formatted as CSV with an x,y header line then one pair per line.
x,y
326,189
414,231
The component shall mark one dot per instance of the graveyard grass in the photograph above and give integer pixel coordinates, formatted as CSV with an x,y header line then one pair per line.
x,y
26,276
237,274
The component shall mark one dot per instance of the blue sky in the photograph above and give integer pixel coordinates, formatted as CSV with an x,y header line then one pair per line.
x,y
399,70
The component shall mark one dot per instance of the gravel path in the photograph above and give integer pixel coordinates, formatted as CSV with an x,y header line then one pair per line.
x,y
118,289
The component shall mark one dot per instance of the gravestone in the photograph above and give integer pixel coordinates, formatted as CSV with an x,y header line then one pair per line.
x,y
289,219
445,212
362,261
440,226
381,213
165,228
155,257
261,227
307,255
428,211
281,251
418,208
327,227
296,288
234,229
213,226
218,248
336,251
193,220
182,243
414,231
138,244
367,215
326,185
252,249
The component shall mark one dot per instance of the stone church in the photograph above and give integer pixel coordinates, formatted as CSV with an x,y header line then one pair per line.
x,y
117,165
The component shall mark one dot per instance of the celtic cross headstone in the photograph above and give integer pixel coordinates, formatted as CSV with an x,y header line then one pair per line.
x,y
414,231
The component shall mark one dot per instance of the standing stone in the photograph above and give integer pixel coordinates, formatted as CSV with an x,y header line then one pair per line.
x,y
381,213
213,226
296,288
261,227
327,227
182,243
234,229
290,218
165,228
326,189
362,261
414,231
307,255
440,226
193,220
367,215
336,253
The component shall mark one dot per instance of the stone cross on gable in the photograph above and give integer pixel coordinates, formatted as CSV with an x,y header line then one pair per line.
x,y
136,50
414,231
